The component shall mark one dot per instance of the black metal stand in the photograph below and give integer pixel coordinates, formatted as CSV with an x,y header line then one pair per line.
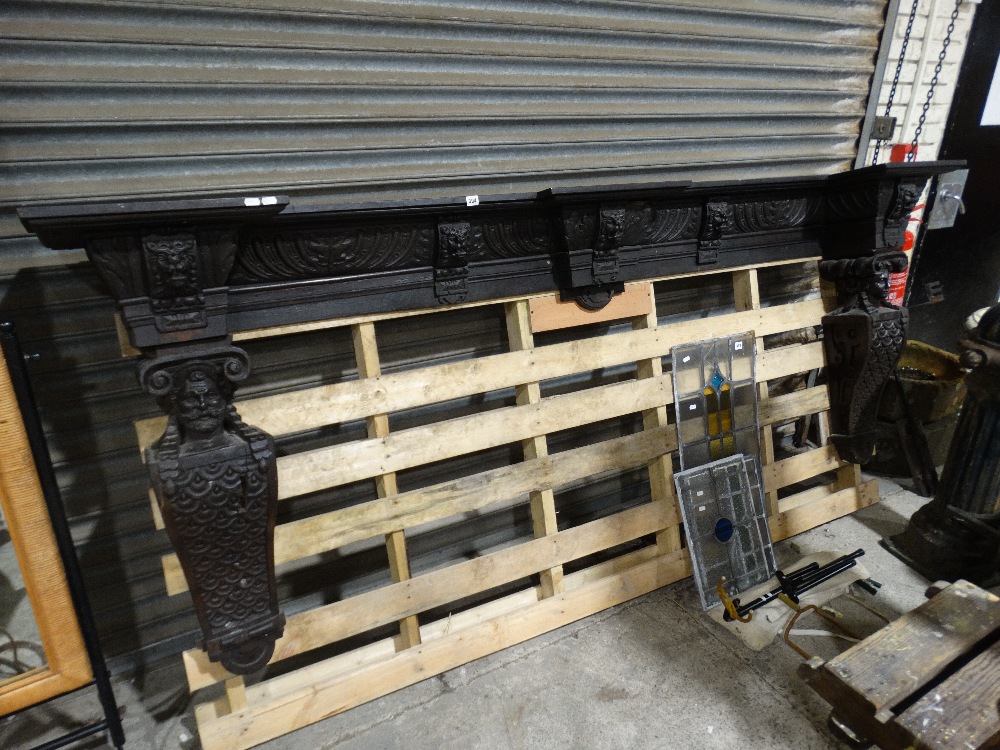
x,y
36,439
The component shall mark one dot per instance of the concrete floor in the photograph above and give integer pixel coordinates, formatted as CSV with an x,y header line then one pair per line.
x,y
654,672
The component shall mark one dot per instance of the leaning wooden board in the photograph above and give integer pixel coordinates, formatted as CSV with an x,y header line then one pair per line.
x,y
930,680
246,716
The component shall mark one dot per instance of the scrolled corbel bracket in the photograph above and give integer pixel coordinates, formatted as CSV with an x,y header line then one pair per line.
x,y
588,241
170,282
863,339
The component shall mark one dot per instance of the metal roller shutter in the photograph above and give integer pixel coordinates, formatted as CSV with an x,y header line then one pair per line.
x,y
327,100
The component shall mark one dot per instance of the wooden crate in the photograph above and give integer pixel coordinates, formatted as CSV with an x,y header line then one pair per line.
x,y
930,680
243,716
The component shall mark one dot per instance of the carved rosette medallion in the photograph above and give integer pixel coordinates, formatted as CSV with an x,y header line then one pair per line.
x,y
451,266
863,340
174,278
215,481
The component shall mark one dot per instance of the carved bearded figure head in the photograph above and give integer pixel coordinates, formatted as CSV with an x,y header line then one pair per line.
x,y
201,406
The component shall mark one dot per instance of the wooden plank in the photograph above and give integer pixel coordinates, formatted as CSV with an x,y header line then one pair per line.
x,y
805,517
350,320
370,366
848,477
328,531
340,402
793,405
124,344
789,360
746,289
542,502
318,627
619,565
803,466
236,693
284,704
917,646
746,296
810,496
154,508
661,470
961,712
550,313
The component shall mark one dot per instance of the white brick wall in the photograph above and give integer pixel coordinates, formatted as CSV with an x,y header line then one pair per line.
x,y
921,57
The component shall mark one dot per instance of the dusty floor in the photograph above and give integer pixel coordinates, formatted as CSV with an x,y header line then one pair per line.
x,y
654,672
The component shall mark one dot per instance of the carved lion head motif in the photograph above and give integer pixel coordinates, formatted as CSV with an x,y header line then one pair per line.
x,y
172,265
453,242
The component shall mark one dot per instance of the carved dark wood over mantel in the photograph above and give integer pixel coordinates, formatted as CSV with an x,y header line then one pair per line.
x,y
188,274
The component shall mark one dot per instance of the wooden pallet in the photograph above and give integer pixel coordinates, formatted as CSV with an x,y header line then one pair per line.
x,y
243,716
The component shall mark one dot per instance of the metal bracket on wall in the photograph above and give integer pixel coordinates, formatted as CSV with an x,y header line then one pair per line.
x,y
883,128
948,199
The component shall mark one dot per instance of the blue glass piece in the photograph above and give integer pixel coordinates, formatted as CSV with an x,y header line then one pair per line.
x,y
723,529
717,380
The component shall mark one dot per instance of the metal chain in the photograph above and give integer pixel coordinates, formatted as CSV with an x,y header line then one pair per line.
x,y
934,80
899,69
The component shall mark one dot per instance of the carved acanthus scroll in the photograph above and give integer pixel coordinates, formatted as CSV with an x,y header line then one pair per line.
x,y
215,481
864,340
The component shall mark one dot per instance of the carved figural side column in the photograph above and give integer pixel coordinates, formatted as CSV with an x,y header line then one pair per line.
x,y
216,484
863,339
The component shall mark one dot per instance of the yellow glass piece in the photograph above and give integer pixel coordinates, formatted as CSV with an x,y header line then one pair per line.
x,y
720,421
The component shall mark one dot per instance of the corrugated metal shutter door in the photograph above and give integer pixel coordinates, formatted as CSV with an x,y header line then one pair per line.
x,y
332,99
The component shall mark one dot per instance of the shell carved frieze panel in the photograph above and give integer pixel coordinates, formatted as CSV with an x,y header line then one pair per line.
x,y
846,205
769,216
514,237
651,224
319,253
